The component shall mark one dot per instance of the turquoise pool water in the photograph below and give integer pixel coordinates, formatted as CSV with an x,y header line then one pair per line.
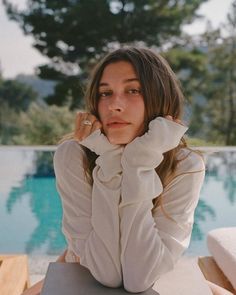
x,y
30,209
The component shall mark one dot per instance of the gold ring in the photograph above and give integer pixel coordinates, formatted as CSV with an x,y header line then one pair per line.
x,y
87,122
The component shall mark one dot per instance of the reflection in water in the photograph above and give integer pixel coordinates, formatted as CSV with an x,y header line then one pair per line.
x,y
222,166
44,165
202,211
41,166
39,187
217,205
37,184
45,205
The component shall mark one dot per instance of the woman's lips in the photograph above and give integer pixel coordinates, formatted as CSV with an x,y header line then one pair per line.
x,y
117,125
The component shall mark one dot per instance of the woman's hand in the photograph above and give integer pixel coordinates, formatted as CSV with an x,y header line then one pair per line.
x,y
163,135
85,124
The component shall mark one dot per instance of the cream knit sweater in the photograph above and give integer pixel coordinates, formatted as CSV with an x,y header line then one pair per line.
x,y
110,225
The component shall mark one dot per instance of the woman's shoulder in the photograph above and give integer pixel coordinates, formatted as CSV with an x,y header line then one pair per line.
x,y
190,160
69,145
68,151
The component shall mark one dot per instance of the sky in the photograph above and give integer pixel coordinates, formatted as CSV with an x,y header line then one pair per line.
x,y
18,56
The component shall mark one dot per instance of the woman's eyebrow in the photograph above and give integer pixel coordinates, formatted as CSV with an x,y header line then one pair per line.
x,y
131,80
124,81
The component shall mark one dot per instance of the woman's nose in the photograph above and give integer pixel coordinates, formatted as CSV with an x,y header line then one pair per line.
x,y
117,103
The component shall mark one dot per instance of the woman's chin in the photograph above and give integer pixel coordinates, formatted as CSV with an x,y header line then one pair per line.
x,y
119,141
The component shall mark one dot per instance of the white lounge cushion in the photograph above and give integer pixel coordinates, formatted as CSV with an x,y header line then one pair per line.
x,y
221,243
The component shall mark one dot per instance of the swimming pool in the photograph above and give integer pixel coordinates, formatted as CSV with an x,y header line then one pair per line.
x,y
30,209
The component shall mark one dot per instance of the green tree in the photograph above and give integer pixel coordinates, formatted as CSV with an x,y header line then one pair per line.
x,y
9,126
220,82
74,34
16,95
189,63
44,125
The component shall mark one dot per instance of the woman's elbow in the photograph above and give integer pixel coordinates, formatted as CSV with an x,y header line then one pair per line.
x,y
111,283
136,287
109,280
140,280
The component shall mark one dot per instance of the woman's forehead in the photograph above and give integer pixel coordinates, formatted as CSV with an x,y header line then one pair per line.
x,y
118,71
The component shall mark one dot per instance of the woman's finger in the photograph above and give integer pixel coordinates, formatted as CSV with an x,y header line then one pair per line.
x,y
96,125
168,117
180,122
80,116
84,129
78,120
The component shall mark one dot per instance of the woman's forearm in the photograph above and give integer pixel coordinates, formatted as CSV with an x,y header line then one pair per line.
x,y
62,257
35,289
90,213
140,233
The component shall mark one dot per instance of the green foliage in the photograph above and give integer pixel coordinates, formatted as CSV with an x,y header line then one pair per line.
x,y
42,87
74,34
44,125
9,124
196,142
16,95
189,62
219,86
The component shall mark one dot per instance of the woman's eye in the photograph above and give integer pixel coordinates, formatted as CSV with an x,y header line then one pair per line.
x,y
134,91
104,93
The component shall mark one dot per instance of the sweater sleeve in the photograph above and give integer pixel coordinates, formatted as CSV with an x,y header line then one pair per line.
x,y
90,213
150,245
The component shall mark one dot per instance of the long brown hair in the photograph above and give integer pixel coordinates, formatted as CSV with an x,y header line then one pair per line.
x,y
162,96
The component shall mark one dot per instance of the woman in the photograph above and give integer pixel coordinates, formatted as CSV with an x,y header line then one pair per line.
x,y
128,183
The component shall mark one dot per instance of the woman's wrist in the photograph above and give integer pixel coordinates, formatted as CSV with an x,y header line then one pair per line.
x,y
98,143
163,135
62,257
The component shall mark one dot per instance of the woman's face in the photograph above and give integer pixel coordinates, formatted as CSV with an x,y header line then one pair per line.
x,y
121,106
